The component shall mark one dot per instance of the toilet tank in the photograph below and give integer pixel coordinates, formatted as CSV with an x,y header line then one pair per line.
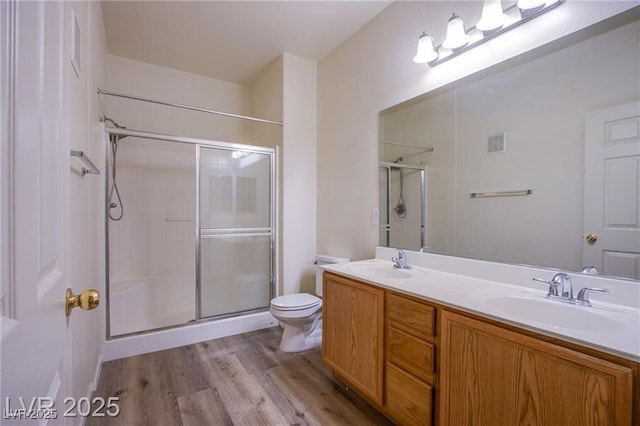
x,y
322,259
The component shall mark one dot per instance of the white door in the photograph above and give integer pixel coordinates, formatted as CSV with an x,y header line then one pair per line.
x,y
612,191
33,354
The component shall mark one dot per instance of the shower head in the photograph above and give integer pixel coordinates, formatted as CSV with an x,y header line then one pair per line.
x,y
118,137
107,119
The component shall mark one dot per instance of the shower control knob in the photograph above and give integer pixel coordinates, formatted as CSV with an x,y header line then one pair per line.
x,y
87,300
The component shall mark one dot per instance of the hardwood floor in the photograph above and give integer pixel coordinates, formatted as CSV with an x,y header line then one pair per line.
x,y
237,380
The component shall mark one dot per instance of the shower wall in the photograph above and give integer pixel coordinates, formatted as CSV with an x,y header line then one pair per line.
x,y
152,249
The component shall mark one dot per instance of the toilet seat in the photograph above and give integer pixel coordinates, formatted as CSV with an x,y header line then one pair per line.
x,y
295,306
295,302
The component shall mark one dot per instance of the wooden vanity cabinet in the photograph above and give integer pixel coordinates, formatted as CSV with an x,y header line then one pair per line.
x,y
406,355
490,375
410,360
353,334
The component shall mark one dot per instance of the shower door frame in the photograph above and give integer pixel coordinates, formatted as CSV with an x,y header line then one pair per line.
x,y
239,231
230,146
423,207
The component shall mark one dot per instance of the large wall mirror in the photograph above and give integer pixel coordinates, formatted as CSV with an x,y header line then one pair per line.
x,y
536,161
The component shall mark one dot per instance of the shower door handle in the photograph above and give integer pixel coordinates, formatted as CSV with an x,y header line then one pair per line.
x,y
87,300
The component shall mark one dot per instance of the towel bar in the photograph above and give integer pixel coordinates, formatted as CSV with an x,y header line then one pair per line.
x,y
501,193
90,167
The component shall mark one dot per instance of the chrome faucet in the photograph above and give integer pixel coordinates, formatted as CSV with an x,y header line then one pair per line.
x,y
401,260
561,288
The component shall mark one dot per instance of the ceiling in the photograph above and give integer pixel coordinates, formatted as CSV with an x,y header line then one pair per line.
x,y
231,40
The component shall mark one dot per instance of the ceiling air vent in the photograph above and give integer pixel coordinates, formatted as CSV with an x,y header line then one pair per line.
x,y
497,143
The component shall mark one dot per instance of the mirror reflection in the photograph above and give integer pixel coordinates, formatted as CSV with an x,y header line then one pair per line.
x,y
550,148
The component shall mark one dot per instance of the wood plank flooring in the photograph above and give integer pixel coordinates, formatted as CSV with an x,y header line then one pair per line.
x,y
237,380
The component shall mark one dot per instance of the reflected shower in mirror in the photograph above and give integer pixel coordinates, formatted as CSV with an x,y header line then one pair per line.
x,y
561,129
402,222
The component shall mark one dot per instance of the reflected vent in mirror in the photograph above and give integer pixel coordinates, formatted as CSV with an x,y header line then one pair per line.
x,y
497,143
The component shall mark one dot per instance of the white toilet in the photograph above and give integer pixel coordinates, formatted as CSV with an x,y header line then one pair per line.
x,y
301,313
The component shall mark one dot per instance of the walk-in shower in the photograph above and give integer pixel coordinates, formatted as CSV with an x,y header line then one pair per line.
x,y
197,238
190,231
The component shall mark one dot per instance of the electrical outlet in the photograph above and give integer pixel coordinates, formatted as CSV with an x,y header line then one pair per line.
x,y
375,216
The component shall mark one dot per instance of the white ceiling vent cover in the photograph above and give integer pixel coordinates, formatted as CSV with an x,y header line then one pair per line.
x,y
497,143
75,44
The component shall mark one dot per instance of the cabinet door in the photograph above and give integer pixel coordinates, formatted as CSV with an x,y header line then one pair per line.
x,y
492,376
409,400
352,333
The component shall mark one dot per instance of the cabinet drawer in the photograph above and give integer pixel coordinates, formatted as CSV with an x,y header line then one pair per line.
x,y
412,354
409,400
410,316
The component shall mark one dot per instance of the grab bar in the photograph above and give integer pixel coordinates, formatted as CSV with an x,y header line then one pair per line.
x,y
501,193
90,167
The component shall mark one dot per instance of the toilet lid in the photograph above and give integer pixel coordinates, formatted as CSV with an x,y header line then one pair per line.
x,y
290,302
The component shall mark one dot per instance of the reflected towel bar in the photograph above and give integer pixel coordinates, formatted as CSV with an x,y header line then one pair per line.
x,y
180,219
90,167
501,193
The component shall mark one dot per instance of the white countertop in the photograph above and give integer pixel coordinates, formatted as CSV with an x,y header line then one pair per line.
x,y
609,327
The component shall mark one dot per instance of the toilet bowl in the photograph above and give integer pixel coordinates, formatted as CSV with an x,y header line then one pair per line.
x,y
300,314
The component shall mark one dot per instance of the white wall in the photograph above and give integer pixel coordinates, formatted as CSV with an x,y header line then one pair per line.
x,y
166,84
299,174
267,103
287,90
372,71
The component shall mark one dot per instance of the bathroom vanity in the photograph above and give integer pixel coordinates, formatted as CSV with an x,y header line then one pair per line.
x,y
425,352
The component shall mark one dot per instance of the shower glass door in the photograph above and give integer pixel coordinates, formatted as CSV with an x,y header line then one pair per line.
x,y
236,232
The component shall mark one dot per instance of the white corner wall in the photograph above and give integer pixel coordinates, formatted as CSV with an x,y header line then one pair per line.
x,y
299,144
372,71
287,90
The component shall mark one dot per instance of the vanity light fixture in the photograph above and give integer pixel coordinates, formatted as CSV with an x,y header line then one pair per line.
x,y
530,6
426,49
456,35
493,17
493,22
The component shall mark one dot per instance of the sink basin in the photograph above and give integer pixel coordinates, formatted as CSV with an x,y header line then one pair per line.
x,y
385,272
554,314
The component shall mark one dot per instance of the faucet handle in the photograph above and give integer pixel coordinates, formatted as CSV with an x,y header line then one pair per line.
x,y
553,287
583,295
558,285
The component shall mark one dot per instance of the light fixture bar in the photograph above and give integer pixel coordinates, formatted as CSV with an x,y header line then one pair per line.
x,y
477,36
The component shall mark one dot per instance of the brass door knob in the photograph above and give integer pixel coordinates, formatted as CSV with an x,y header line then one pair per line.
x,y
592,238
87,300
